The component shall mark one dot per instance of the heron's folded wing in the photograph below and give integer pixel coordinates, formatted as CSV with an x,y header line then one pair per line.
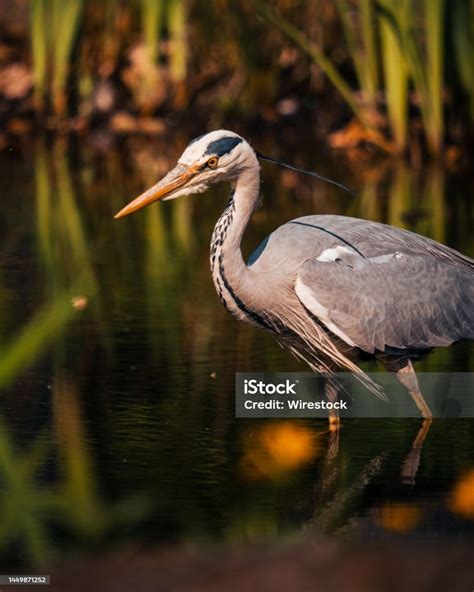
x,y
396,300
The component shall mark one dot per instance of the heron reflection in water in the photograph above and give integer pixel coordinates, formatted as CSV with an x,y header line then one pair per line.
x,y
332,289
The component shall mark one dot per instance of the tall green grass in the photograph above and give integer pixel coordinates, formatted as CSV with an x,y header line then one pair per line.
x,y
151,24
463,24
63,245
54,26
396,79
178,56
420,30
361,39
163,20
25,506
39,50
47,325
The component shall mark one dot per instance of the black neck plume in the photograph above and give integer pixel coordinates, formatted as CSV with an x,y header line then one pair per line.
x,y
311,173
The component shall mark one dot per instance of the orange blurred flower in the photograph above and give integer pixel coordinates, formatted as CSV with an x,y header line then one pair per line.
x,y
278,448
462,498
399,517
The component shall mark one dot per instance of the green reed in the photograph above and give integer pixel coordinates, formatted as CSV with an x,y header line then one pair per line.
x,y
432,111
63,242
421,34
396,81
177,28
362,44
25,506
400,195
463,26
83,507
165,64
39,50
46,326
65,20
151,12
54,25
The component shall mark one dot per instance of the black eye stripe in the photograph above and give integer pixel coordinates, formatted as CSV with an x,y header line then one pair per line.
x,y
223,145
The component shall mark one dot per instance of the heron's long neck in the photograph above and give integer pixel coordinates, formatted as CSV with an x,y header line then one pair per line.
x,y
229,271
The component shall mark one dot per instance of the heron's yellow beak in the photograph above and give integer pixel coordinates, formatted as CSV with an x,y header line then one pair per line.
x,y
174,180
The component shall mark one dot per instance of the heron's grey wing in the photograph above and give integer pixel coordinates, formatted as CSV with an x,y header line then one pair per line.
x,y
400,301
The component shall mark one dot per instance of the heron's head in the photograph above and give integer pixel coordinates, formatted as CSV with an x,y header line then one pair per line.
x,y
218,156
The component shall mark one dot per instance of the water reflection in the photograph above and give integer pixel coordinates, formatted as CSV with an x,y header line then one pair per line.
x,y
117,366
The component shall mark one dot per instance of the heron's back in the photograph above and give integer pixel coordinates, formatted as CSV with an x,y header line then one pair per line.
x,y
310,236
376,285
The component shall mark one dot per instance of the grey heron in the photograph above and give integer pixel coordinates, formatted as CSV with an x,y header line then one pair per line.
x,y
330,288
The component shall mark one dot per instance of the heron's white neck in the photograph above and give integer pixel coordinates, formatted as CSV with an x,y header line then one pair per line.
x,y
229,271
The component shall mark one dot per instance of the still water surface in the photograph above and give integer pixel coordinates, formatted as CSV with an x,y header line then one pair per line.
x,y
117,367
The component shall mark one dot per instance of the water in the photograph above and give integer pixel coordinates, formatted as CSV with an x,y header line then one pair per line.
x,y
118,361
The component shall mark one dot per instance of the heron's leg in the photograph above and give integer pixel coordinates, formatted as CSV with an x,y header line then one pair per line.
x,y
412,461
334,422
405,374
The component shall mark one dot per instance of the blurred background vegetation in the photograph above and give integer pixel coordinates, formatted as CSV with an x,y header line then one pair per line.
x,y
395,75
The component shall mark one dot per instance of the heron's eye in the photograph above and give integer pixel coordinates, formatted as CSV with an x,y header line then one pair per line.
x,y
212,162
